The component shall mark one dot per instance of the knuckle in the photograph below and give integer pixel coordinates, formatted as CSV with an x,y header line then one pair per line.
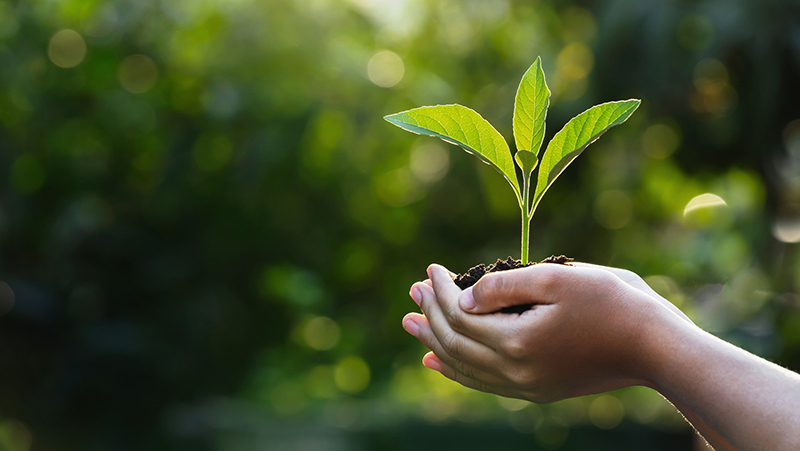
x,y
629,275
489,286
550,280
514,348
467,379
455,319
466,370
453,345
612,283
522,377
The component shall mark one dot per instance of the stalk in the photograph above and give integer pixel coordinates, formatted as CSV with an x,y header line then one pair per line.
x,y
526,217
525,230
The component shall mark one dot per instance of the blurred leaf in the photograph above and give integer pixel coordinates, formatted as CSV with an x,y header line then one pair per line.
x,y
530,109
463,127
573,139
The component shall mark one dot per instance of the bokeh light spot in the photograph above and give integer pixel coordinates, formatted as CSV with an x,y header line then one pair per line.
x,y
613,209
406,386
660,141
551,435
398,188
386,69
709,74
606,412
703,201
527,420
321,333
138,74
290,284
15,436
569,412
67,49
575,61
512,404
787,230
429,162
351,374
26,174
319,382
713,93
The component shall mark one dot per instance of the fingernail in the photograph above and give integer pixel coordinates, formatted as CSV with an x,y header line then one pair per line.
x,y
411,327
433,364
416,295
467,301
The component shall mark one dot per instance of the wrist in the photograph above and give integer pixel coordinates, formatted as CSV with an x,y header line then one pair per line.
x,y
663,334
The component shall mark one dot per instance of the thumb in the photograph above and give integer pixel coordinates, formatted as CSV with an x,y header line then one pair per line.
x,y
502,289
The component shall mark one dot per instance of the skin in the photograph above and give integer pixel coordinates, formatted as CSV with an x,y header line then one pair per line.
x,y
593,329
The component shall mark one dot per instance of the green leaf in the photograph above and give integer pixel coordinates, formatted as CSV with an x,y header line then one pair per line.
x,y
530,108
527,161
463,127
579,132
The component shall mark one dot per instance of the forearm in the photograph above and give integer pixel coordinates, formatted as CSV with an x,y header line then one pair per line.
x,y
750,403
717,442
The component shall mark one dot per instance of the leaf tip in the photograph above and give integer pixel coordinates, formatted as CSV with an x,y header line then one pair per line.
x,y
392,119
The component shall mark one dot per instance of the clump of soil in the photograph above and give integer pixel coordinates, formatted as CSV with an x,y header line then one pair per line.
x,y
474,274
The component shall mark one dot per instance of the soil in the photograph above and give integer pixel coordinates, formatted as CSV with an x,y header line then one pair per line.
x,y
474,274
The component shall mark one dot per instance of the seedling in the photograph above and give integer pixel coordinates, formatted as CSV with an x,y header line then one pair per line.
x,y
463,127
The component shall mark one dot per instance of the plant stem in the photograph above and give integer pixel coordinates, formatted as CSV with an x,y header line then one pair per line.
x,y
526,218
526,223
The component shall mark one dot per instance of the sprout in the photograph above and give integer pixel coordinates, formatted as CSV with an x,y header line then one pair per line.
x,y
467,129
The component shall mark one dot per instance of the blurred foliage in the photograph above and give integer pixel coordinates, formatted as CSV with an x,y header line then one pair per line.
x,y
207,231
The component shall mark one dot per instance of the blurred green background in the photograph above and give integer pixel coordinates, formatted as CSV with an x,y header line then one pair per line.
x,y
208,233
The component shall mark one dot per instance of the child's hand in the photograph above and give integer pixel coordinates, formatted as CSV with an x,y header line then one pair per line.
x,y
586,332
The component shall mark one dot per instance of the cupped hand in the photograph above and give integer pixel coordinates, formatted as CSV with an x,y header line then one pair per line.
x,y
585,333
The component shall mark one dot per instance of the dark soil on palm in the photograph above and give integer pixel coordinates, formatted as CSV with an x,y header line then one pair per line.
x,y
474,274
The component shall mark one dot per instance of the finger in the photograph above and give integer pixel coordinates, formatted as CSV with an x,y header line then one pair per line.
x,y
442,281
484,329
446,314
634,280
537,284
476,362
629,277
433,362
426,282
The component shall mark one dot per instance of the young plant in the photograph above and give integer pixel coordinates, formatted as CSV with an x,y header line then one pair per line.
x,y
467,129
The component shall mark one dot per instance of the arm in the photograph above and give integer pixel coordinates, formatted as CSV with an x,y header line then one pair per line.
x,y
594,329
749,402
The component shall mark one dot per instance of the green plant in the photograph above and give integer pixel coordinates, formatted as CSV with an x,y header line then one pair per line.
x,y
459,125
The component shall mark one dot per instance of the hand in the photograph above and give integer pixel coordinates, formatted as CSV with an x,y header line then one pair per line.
x,y
586,332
